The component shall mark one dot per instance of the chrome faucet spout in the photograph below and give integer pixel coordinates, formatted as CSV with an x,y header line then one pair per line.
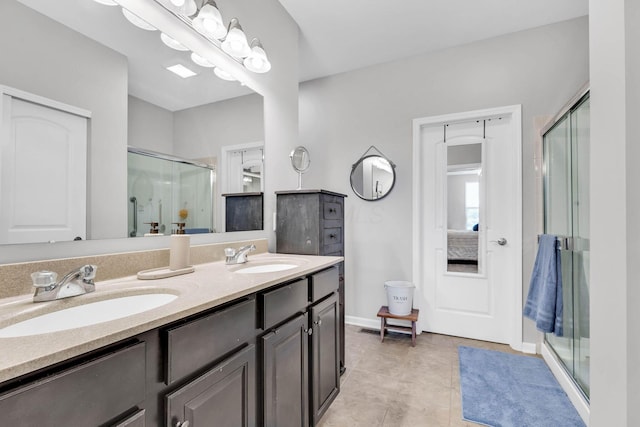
x,y
76,282
239,256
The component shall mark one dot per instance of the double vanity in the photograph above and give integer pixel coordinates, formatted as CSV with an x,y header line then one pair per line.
x,y
253,344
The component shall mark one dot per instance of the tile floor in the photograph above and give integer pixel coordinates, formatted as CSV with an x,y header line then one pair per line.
x,y
391,384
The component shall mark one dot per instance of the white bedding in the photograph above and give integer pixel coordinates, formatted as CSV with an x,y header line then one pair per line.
x,y
462,245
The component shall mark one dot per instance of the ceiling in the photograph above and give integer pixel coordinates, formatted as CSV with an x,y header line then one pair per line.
x,y
343,35
147,56
335,36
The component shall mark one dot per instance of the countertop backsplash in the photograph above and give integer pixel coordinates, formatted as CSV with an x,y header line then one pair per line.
x,y
15,279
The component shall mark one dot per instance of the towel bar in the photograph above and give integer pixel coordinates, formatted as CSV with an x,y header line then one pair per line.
x,y
564,242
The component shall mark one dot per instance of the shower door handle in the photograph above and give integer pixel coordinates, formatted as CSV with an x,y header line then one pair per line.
x,y
501,241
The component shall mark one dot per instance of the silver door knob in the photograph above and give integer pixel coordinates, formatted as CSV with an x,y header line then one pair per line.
x,y
501,241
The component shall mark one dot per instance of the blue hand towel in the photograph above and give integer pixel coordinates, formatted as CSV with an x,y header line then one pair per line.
x,y
544,302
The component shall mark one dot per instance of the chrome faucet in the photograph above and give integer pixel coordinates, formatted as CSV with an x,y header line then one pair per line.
x,y
238,256
76,282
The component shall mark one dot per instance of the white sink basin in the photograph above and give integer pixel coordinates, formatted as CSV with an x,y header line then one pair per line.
x,y
87,314
265,268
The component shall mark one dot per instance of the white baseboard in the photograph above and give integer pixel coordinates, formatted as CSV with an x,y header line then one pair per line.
x,y
567,384
529,348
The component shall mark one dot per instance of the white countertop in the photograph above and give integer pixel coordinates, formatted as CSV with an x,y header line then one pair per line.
x,y
209,286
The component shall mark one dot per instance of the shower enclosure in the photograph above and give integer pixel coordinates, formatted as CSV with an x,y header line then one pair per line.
x,y
166,190
566,215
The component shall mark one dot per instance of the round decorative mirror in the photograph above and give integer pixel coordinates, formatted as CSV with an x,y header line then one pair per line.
x,y
300,161
373,177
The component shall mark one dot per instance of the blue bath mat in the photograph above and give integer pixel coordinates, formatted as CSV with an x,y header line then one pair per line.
x,y
508,390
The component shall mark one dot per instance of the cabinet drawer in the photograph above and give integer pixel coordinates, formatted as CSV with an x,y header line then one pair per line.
x,y
283,302
323,283
200,342
332,236
89,394
332,210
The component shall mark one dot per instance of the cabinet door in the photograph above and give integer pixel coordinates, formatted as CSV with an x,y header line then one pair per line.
x,y
325,355
224,396
285,375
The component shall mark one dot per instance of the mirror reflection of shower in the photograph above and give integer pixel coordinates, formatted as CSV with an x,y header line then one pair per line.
x,y
165,191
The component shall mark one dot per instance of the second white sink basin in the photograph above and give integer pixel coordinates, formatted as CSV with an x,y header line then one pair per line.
x,y
265,268
87,314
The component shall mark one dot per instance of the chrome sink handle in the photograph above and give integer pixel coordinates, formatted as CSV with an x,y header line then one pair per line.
x,y
238,256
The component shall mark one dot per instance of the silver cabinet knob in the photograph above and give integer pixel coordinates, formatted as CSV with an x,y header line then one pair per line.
x,y
501,241
182,424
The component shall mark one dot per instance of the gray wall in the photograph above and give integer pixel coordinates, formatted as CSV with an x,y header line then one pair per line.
x,y
615,209
45,58
201,131
342,115
149,127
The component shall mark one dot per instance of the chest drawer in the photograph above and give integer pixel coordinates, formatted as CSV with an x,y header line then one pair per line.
x,y
283,302
332,236
332,210
96,391
199,342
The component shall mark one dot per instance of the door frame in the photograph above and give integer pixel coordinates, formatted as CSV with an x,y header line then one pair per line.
x,y
515,294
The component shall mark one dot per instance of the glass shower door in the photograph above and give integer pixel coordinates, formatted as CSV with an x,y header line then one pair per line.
x,y
566,212
580,174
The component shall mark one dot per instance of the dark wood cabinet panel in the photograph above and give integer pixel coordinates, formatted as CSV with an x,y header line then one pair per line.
x,y
89,394
283,302
323,283
325,355
224,396
285,375
195,344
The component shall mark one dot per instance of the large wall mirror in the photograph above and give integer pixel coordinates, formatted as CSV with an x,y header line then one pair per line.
x,y
87,55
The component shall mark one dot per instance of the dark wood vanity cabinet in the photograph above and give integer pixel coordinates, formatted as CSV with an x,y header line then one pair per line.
x,y
300,350
267,359
311,222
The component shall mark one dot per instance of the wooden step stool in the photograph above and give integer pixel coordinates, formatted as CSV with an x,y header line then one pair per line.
x,y
384,314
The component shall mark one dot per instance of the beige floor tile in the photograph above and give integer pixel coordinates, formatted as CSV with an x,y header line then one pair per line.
x,y
393,384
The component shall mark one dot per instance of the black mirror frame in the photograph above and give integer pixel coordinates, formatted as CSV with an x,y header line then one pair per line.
x,y
362,159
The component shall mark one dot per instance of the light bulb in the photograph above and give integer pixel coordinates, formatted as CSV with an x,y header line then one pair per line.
x,y
177,3
201,61
209,21
257,60
223,74
106,2
235,44
189,7
172,43
137,21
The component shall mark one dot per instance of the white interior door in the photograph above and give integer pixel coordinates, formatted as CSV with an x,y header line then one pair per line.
x,y
43,158
468,220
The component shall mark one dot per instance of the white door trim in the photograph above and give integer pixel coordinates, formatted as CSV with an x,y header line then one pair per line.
x,y
515,112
